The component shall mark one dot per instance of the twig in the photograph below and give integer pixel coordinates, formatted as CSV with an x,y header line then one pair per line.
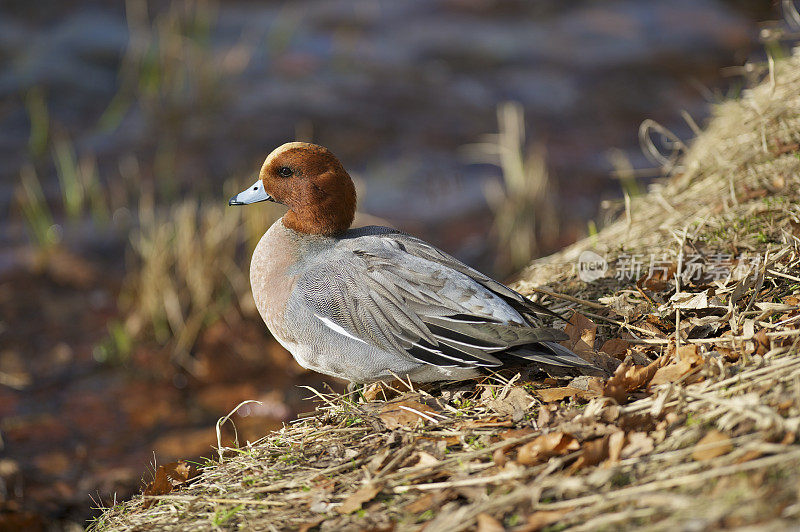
x,y
759,282
784,275
402,455
621,324
473,481
565,297
221,421
678,274
215,500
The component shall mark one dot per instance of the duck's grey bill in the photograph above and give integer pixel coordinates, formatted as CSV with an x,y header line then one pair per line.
x,y
253,194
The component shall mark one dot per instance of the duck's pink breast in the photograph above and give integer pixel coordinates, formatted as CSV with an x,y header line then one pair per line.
x,y
270,280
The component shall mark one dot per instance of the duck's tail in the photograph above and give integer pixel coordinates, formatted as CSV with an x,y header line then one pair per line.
x,y
555,356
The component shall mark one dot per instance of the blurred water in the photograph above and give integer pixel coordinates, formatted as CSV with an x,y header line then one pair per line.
x,y
394,88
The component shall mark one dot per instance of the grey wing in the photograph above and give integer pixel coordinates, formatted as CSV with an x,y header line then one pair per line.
x,y
517,301
419,248
374,291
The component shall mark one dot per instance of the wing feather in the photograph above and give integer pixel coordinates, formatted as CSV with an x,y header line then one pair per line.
x,y
404,296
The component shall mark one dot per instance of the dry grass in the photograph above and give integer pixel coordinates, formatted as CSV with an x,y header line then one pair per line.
x,y
168,68
188,269
186,256
703,437
525,218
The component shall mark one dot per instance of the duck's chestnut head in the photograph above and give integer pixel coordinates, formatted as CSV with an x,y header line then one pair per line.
x,y
311,182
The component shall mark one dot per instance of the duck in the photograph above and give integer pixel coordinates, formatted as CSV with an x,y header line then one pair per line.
x,y
373,303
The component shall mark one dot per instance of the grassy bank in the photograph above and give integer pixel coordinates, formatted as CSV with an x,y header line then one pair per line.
x,y
694,427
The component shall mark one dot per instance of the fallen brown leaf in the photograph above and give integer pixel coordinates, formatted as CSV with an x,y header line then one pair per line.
x,y
615,347
423,503
593,452
542,518
749,455
637,355
421,458
381,391
761,341
580,329
729,354
545,447
168,477
636,422
606,363
512,434
595,385
723,446
658,279
487,523
689,361
607,448
308,525
406,413
552,395
482,423
688,352
499,457
648,325
638,444
372,391
355,500
627,379
448,440
515,400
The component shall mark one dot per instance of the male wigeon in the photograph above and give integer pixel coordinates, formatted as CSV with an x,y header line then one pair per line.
x,y
373,303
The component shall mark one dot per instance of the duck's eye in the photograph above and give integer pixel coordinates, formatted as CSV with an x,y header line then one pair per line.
x,y
284,171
